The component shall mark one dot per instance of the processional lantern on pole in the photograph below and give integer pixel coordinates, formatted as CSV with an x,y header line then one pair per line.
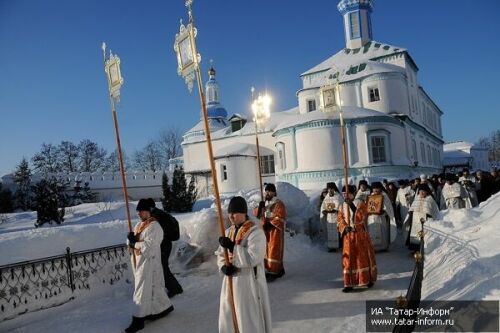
x,y
115,82
261,109
188,66
330,101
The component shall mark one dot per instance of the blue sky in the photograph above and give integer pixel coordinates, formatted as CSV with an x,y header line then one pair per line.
x,y
53,88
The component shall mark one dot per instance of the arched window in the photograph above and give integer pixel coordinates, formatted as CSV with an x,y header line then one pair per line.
x,y
280,148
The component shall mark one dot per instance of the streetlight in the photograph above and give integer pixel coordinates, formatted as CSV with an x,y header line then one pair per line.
x,y
115,82
188,66
261,108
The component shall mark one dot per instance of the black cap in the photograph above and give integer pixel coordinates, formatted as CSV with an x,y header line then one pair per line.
x,y
237,205
377,185
270,187
352,189
332,185
145,204
362,182
424,187
449,177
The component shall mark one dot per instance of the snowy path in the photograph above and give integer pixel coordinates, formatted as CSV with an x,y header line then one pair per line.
x,y
308,299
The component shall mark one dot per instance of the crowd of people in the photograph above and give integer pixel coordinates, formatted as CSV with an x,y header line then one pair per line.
x,y
359,221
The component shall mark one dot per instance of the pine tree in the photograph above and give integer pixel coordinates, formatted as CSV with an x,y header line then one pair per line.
x,y
77,197
51,200
183,197
87,195
192,194
6,204
22,178
178,190
166,201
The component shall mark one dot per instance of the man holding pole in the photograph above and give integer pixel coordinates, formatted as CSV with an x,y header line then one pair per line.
x,y
246,244
150,299
272,214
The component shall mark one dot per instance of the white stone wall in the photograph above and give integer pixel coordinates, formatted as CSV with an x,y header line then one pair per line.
x,y
241,173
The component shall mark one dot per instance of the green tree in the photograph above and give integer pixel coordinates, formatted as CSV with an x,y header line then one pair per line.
x,y
51,201
183,196
22,178
166,201
6,204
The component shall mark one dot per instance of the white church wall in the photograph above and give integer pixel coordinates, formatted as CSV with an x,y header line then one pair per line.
x,y
237,173
318,148
304,96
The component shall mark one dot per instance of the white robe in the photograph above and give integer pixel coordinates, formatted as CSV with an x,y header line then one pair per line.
x,y
149,295
421,207
362,195
251,298
333,237
382,228
454,196
470,186
404,200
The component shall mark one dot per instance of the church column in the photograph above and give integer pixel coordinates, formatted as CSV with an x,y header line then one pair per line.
x,y
294,149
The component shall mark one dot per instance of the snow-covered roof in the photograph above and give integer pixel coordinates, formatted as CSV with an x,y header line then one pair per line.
x,y
275,119
461,145
456,157
213,123
349,112
347,57
236,149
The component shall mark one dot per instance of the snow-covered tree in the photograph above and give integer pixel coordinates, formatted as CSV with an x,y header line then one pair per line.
x,y
149,158
112,163
22,178
169,142
91,157
47,160
68,155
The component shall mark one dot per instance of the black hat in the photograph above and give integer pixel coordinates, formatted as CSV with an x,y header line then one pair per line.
x,y
401,182
237,205
270,187
332,185
377,185
145,204
449,177
362,182
424,187
352,189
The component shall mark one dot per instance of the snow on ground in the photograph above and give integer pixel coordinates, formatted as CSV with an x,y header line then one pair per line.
x,y
463,254
307,299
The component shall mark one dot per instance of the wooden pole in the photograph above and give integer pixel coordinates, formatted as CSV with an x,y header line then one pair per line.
x,y
344,150
214,177
122,173
259,167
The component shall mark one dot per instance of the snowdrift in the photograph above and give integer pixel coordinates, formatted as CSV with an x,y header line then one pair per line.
x,y
463,254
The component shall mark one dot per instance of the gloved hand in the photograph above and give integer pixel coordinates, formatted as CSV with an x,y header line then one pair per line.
x,y
228,270
348,229
227,243
132,238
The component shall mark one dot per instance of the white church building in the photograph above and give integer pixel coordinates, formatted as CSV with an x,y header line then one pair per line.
x,y
393,127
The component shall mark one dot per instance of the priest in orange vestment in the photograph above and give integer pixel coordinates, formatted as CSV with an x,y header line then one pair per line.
x,y
358,257
272,214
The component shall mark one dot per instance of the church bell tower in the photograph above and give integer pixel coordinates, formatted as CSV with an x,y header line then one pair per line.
x,y
357,22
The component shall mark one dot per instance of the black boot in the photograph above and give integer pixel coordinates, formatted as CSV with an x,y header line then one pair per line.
x,y
172,293
136,325
161,314
347,289
369,285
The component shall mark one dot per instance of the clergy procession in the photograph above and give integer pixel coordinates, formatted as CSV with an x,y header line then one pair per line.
x,y
359,222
